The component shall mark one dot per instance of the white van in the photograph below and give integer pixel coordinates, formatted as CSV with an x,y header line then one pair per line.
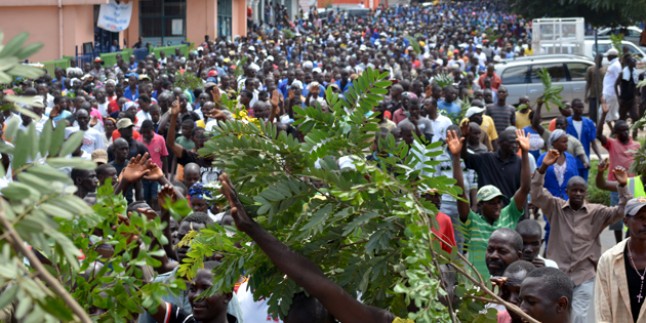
x,y
605,44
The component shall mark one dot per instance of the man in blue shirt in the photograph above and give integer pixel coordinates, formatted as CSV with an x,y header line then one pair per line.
x,y
132,91
448,104
584,129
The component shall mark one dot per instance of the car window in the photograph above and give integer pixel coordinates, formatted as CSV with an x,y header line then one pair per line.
x,y
556,70
577,71
633,50
603,48
514,75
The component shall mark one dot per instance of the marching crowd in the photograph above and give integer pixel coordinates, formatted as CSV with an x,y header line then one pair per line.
x,y
143,132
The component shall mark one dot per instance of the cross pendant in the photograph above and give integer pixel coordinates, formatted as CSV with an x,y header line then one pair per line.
x,y
639,298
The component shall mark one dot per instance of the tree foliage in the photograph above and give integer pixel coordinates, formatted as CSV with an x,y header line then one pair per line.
x,y
364,225
596,12
72,275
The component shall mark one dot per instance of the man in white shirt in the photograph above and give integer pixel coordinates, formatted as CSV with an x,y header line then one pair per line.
x,y
92,139
143,113
609,94
439,122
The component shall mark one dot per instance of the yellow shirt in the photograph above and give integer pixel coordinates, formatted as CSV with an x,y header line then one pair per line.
x,y
400,320
522,119
487,126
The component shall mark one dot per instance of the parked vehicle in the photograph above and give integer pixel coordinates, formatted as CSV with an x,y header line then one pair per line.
x,y
520,77
631,33
605,44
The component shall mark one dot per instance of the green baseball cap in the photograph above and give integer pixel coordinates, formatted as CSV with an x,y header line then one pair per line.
x,y
487,193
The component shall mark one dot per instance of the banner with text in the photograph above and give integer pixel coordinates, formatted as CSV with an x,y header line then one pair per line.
x,y
115,17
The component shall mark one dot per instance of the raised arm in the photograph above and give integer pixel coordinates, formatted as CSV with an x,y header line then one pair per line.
x,y
604,113
601,181
541,197
520,197
536,119
456,144
177,149
613,214
303,272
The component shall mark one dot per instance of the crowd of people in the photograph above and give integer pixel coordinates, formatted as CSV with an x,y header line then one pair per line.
x,y
144,133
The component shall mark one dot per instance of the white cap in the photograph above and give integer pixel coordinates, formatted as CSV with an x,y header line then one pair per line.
x,y
612,52
473,110
297,83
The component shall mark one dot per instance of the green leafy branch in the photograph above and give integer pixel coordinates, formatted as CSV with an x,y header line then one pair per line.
x,y
551,93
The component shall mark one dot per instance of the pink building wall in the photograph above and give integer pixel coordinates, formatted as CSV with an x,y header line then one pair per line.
x,y
42,24
63,28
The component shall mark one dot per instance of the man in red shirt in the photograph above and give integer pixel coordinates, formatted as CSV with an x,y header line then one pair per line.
x,y
621,152
158,152
444,227
490,74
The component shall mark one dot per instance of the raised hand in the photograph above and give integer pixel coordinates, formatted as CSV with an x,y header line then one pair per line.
x,y
149,213
215,92
155,173
621,175
175,107
275,99
551,157
603,165
523,139
464,128
166,193
137,168
454,142
242,220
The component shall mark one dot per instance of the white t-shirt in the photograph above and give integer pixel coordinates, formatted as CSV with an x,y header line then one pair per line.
x,y
253,311
610,79
141,116
578,125
92,139
439,127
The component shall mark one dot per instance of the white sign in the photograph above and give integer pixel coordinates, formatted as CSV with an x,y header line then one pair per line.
x,y
115,17
177,27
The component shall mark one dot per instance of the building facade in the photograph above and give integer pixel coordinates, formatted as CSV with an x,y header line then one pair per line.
x,y
65,26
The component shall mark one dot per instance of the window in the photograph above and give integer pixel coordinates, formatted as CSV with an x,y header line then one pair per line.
x,y
163,21
515,75
603,48
577,71
556,70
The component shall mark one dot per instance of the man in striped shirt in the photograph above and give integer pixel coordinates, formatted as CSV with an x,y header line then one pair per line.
x,y
478,227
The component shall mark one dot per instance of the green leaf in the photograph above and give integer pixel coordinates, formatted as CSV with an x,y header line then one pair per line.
x,y
74,162
71,144
56,211
12,129
57,139
12,47
22,149
34,181
8,295
29,50
24,305
46,139
15,191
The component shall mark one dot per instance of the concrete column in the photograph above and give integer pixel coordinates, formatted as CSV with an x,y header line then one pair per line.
x,y
132,32
201,19
239,18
